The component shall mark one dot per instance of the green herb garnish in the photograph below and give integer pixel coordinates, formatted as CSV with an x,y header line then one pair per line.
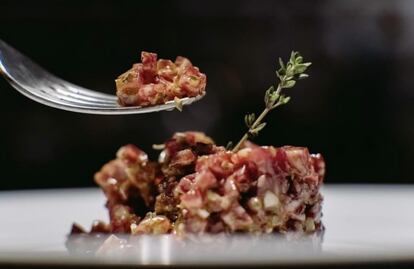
x,y
287,74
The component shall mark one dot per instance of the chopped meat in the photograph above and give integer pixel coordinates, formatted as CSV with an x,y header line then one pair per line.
x,y
153,82
122,218
152,224
129,179
198,187
177,160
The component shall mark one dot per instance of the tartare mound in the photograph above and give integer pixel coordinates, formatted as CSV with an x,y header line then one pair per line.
x,y
197,187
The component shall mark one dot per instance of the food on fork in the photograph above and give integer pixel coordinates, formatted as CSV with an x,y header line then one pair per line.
x,y
155,82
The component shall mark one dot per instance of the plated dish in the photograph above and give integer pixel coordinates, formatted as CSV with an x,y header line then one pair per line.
x,y
198,187
363,234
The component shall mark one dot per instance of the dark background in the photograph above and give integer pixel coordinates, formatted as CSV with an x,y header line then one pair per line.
x,y
356,108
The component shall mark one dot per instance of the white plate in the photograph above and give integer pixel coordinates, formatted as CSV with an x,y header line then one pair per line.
x,y
364,223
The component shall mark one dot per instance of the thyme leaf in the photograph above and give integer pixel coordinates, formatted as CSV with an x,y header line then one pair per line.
x,y
288,74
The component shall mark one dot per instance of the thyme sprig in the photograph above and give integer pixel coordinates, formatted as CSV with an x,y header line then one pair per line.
x,y
288,74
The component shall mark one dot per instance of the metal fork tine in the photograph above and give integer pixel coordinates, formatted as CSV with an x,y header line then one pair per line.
x,y
44,97
75,89
54,91
54,95
61,89
33,72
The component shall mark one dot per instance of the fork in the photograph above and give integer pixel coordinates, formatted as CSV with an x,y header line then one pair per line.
x,y
41,86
